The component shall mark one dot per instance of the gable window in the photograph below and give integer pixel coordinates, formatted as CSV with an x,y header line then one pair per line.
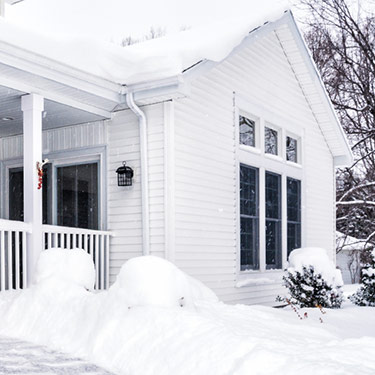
x,y
291,149
273,221
293,214
270,141
247,131
249,212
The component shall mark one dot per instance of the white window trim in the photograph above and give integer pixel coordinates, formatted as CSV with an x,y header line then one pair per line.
x,y
256,120
272,163
58,159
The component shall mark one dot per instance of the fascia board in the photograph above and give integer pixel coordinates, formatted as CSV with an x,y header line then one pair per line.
x,y
39,65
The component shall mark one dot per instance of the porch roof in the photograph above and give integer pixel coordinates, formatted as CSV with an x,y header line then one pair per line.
x,y
55,114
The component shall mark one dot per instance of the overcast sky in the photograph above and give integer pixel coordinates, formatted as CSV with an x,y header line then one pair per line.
x,y
115,19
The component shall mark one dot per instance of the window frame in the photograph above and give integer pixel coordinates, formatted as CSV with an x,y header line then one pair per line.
x,y
254,218
257,140
61,159
257,158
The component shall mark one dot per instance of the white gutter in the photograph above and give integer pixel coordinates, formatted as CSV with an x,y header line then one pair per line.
x,y
144,172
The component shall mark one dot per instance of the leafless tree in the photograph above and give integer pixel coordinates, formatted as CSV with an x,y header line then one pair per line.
x,y
341,37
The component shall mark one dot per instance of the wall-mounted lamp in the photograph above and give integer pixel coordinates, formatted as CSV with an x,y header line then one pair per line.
x,y
124,175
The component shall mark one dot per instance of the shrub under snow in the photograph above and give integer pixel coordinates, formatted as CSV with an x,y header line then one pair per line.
x,y
312,279
73,266
365,295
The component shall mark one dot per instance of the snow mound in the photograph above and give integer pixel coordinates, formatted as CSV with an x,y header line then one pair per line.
x,y
72,266
153,281
318,258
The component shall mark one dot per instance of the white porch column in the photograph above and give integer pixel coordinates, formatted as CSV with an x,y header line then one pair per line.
x,y
32,107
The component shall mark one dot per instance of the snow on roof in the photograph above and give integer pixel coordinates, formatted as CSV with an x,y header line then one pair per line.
x,y
147,61
349,243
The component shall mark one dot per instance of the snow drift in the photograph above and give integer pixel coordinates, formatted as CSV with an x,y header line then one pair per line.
x,y
141,327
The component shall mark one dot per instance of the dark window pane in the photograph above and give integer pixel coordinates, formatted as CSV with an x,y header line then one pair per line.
x,y
293,213
247,131
273,221
270,141
77,196
291,149
249,217
16,194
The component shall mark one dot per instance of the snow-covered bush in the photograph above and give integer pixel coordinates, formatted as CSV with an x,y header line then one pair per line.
x,y
72,266
365,295
312,279
153,281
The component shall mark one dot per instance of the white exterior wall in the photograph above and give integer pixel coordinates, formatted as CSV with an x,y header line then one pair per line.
x,y
206,185
124,203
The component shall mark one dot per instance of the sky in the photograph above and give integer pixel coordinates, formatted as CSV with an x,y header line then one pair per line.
x,y
113,20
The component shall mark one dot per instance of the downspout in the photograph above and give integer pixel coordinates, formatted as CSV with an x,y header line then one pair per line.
x,y
144,172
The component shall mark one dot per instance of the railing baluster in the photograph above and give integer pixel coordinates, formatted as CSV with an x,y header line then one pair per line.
x,y
102,259
97,262
2,268
49,235
24,260
17,256
106,262
10,260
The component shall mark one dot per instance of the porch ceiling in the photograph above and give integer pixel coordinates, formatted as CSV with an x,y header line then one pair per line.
x,y
55,114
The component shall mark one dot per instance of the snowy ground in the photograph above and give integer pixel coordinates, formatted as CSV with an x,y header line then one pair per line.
x,y
155,320
21,358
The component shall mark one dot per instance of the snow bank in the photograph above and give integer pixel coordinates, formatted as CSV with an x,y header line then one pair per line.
x,y
150,337
318,258
71,266
151,60
152,281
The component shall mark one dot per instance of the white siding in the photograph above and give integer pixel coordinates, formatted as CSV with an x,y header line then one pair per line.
x,y
124,203
206,166
59,139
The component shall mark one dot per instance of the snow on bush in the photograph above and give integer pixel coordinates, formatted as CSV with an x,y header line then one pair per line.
x,y
312,279
153,281
73,266
365,295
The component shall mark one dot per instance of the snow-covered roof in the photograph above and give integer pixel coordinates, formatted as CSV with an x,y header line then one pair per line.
x,y
81,67
147,61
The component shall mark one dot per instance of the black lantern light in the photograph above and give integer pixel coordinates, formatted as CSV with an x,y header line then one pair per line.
x,y
124,175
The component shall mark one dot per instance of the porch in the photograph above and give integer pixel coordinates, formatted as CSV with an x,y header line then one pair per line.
x,y
68,210
14,240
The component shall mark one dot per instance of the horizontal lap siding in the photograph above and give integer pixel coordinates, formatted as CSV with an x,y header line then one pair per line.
x,y
205,171
125,204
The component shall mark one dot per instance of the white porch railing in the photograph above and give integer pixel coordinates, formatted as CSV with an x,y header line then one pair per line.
x,y
94,242
13,253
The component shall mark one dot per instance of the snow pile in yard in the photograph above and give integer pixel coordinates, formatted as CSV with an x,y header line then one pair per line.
x,y
318,258
211,339
151,281
154,59
73,266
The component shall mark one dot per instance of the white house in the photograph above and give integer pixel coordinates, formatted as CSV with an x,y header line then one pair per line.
x,y
349,257
231,136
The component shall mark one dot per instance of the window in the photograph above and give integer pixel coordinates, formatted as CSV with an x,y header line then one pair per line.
x,y
270,141
291,149
247,131
294,213
249,211
16,194
77,196
273,221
